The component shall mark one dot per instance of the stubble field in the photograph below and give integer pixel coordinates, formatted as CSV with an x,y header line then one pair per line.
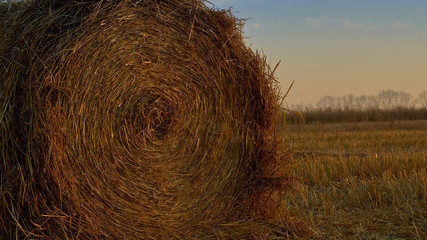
x,y
361,180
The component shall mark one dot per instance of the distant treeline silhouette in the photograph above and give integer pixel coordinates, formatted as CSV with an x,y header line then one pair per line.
x,y
387,105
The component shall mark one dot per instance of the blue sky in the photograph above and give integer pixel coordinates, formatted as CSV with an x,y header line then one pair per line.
x,y
339,47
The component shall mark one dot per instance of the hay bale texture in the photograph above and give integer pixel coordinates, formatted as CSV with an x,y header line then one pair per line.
x,y
134,119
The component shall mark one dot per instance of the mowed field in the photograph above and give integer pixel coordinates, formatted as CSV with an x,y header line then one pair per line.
x,y
361,180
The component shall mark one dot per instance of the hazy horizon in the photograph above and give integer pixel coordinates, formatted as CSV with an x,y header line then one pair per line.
x,y
338,48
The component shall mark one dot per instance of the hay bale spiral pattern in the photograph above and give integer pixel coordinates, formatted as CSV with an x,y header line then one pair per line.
x,y
134,120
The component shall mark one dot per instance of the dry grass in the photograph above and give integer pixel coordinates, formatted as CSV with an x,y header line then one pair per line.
x,y
362,182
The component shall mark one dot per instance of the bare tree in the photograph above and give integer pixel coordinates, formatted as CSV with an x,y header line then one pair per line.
x,y
372,102
387,98
403,100
422,98
349,102
326,103
361,102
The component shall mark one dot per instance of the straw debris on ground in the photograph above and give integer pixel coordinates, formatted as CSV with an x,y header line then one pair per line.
x,y
136,120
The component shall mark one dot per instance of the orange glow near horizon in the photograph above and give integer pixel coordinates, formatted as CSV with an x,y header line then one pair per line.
x,y
338,48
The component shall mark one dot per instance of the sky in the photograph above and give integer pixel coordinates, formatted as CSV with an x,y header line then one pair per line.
x,y
338,47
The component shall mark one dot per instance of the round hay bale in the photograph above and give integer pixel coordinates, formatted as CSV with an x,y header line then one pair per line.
x,y
136,120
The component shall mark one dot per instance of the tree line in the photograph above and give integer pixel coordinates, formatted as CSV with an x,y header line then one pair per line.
x,y
387,105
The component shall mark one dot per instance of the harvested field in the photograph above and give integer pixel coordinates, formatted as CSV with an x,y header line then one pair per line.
x,y
361,180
